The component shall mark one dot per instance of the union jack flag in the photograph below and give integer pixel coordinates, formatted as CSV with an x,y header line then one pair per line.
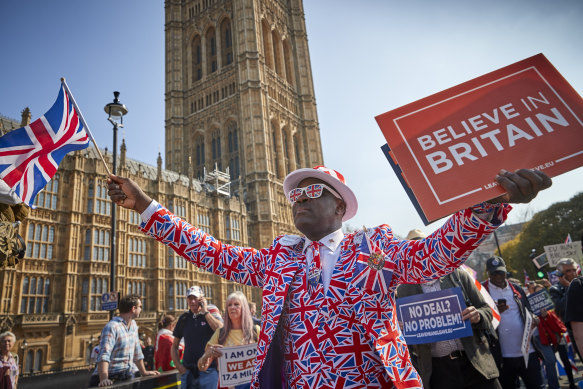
x,y
30,156
568,239
372,272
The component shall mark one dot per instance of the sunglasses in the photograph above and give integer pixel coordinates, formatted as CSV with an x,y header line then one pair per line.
x,y
313,191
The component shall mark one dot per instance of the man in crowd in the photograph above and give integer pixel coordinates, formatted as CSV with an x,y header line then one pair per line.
x,y
120,346
514,311
328,315
574,310
95,353
458,363
567,271
196,326
148,351
253,310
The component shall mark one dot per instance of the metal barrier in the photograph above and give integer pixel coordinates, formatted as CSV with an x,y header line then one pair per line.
x,y
79,379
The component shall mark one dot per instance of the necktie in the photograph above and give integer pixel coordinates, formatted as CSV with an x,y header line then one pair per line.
x,y
315,268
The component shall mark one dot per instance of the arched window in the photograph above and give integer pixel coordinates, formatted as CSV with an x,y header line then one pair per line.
x,y
29,361
227,42
47,198
98,200
97,243
233,139
216,149
41,241
196,58
35,295
275,149
38,356
287,61
211,50
284,145
277,53
98,287
267,47
297,151
199,157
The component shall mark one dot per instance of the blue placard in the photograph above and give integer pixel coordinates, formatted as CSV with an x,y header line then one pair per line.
x,y
109,301
539,300
432,317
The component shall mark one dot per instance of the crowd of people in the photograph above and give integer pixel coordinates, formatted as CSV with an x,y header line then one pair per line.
x,y
190,344
489,358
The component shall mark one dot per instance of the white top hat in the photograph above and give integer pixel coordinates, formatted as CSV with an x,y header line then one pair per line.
x,y
330,177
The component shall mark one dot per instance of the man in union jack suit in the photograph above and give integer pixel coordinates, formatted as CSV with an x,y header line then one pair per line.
x,y
328,314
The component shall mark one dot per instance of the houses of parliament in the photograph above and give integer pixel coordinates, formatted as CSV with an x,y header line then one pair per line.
x,y
240,115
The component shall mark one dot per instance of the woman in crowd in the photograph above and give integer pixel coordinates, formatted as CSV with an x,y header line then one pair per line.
x,y
164,338
8,365
238,330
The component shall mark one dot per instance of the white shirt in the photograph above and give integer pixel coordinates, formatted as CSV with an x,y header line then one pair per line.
x,y
329,253
511,325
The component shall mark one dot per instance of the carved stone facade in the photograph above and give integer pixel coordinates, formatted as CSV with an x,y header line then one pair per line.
x,y
51,299
239,95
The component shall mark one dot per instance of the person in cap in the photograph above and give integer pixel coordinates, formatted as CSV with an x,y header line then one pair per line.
x,y
456,363
514,309
196,326
328,315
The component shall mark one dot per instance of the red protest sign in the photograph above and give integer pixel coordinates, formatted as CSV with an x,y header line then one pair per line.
x,y
450,145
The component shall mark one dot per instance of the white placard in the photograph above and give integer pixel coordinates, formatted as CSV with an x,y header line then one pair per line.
x,y
236,364
564,250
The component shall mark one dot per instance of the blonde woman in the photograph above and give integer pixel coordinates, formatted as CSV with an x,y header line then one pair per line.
x,y
8,365
238,330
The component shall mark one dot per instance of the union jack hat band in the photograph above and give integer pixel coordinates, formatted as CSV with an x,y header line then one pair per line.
x,y
328,176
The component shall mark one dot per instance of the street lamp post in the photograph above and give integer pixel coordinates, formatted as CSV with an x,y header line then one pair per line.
x,y
116,112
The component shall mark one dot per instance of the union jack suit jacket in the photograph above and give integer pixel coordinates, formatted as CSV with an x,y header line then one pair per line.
x,y
349,336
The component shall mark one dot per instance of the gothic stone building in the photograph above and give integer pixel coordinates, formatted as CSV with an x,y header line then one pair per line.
x,y
239,97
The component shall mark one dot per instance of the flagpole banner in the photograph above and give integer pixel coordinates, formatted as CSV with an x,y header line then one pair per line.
x,y
30,156
236,364
539,300
432,317
450,146
571,250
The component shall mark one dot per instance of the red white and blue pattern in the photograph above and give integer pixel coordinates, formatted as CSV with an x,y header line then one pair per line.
x,y
30,156
367,277
347,337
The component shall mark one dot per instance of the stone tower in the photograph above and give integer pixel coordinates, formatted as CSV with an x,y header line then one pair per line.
x,y
240,96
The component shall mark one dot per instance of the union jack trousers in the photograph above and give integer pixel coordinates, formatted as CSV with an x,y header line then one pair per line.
x,y
347,337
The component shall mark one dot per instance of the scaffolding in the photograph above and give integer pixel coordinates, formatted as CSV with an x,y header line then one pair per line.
x,y
221,181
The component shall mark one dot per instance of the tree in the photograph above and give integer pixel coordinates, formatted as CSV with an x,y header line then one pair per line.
x,y
547,227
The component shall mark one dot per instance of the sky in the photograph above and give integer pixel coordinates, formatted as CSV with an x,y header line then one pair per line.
x,y
368,57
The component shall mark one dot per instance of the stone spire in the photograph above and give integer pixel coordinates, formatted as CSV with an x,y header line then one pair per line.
x,y
122,154
159,160
26,115
190,172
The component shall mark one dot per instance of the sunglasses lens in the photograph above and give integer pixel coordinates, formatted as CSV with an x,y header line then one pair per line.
x,y
314,191
294,194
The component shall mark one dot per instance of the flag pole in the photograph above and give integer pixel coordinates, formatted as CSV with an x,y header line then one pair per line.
x,y
64,83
